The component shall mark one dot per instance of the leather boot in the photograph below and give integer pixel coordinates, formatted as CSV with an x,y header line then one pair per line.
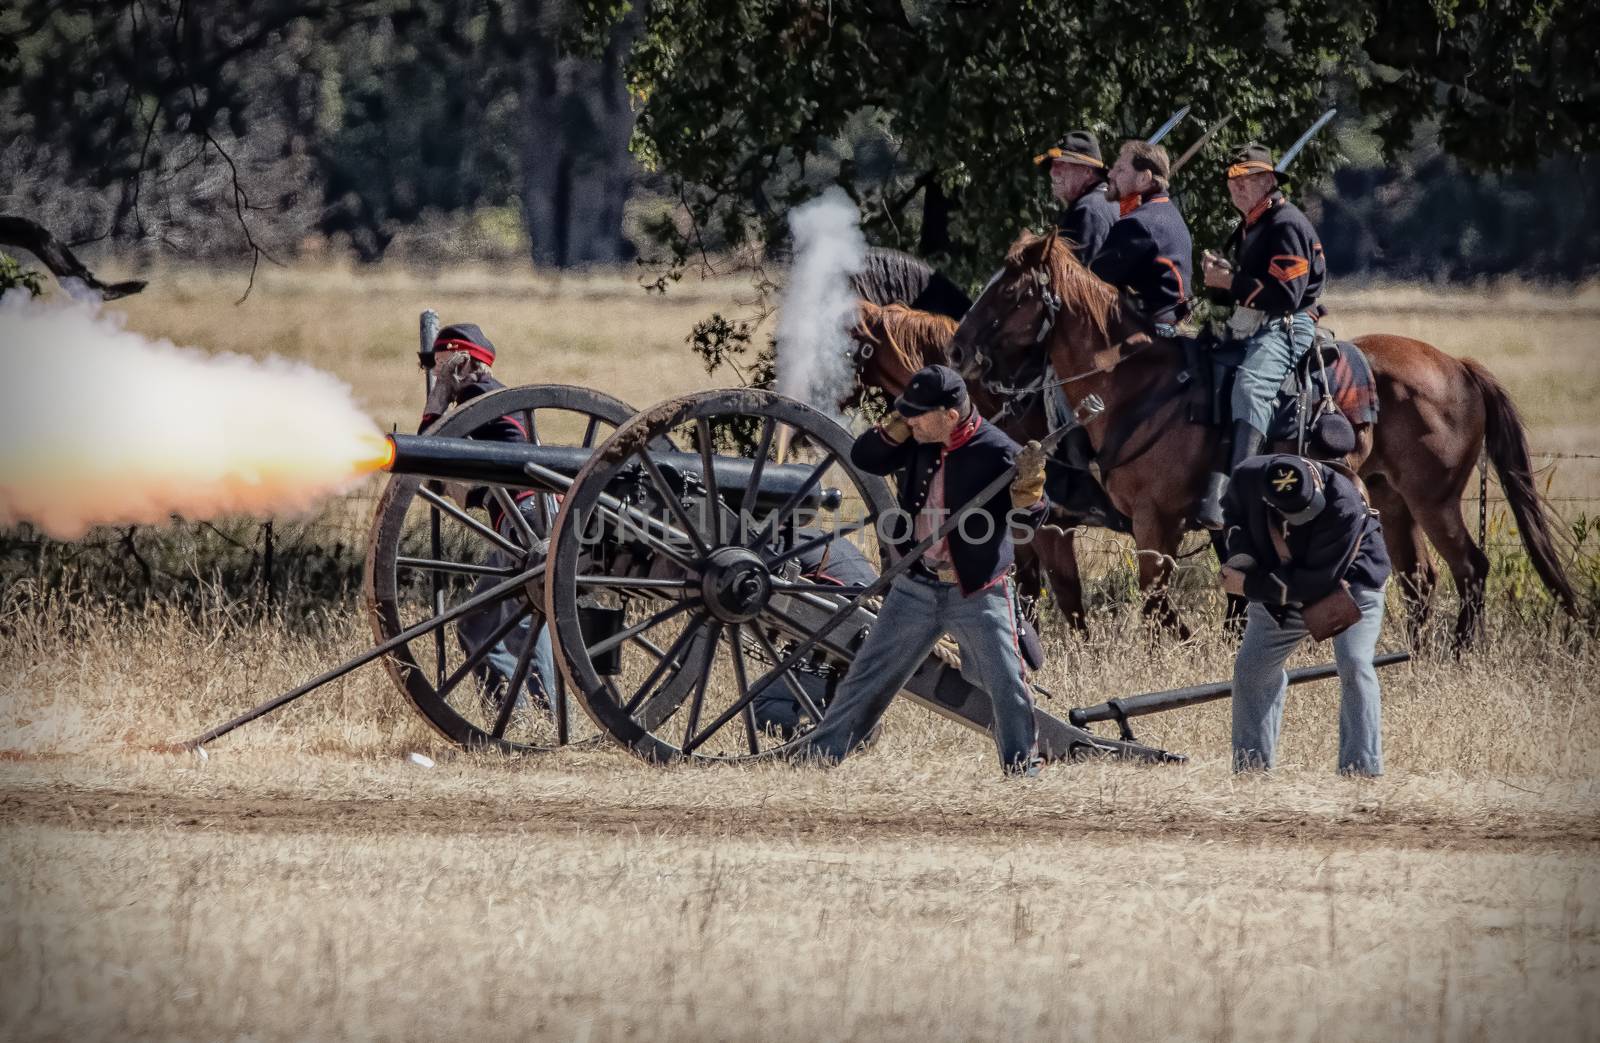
x,y
1247,442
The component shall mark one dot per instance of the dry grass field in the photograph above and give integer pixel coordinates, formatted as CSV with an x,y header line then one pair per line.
x,y
308,881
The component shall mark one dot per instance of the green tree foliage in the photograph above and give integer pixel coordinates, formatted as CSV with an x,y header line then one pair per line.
x,y
750,107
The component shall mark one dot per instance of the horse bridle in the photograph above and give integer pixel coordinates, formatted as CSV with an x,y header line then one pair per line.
x,y
1015,399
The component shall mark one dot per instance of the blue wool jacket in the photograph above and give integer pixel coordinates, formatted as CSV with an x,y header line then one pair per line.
x,y
1322,551
1149,253
1087,222
968,465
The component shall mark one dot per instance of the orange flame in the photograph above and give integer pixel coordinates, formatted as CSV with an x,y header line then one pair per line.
x,y
149,430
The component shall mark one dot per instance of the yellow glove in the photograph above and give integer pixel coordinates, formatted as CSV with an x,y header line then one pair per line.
x,y
1027,488
895,429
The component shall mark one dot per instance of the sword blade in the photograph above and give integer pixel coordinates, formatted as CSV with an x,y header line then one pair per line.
x,y
1294,150
1166,128
1194,150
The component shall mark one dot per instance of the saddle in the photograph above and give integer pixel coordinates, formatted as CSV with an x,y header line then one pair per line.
x,y
1334,374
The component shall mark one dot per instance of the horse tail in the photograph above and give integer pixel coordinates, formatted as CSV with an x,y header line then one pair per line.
x,y
1507,442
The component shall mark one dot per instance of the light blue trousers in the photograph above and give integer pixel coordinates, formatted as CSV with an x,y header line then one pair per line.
x,y
915,614
1269,355
1260,686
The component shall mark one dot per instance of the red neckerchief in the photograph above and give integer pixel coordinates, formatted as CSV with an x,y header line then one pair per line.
x,y
1128,206
963,431
1261,208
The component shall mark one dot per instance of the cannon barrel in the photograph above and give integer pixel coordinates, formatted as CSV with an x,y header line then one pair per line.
x,y
1175,698
505,463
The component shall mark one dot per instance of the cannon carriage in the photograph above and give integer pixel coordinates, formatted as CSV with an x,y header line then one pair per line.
x,y
666,563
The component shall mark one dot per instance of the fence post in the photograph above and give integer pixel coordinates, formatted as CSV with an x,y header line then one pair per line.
x,y
1483,502
266,560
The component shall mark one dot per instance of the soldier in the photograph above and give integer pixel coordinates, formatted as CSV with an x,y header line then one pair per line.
x,y
945,454
462,374
1274,278
1077,180
1147,253
1308,553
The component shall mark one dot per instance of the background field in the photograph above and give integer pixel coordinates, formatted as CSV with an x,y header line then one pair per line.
x,y
307,881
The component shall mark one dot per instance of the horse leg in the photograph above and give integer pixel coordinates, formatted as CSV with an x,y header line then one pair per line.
x,y
1408,553
1054,552
1469,566
1157,537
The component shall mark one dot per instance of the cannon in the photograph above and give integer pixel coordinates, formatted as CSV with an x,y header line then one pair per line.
x,y
657,556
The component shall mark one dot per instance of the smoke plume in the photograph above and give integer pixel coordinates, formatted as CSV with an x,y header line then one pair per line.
x,y
819,307
100,426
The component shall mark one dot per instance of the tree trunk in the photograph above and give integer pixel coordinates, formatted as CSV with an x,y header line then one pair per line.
x,y
576,169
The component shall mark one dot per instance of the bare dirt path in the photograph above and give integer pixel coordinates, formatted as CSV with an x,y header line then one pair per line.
x,y
103,810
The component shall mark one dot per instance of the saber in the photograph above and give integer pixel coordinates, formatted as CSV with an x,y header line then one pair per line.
x,y
1294,150
1194,150
1166,128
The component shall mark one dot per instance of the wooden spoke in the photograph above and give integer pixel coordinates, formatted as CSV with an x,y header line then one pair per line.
x,y
461,568
513,510
774,521
500,631
602,647
674,504
802,547
508,702
796,689
699,699
468,520
667,662
747,503
708,476
736,646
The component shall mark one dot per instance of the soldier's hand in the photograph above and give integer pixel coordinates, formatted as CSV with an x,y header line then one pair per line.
x,y
1027,488
895,428
1231,580
456,371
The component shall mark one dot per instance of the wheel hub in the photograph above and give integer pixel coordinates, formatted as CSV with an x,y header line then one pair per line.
x,y
736,584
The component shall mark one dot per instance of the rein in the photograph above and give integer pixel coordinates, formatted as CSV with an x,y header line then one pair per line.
x,y
1016,398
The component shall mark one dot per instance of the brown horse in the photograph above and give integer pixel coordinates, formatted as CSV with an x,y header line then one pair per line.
x,y
1045,319
893,342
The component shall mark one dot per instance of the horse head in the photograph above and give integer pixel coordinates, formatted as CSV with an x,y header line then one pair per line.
x,y
1041,300
893,341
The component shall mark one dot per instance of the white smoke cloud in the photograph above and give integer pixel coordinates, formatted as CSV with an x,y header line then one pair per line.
x,y
101,426
819,306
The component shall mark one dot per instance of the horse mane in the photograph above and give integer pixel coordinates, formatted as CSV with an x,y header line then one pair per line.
x,y
925,334
895,277
1081,293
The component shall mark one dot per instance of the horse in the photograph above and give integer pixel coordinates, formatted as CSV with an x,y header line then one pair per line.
x,y
1045,320
893,342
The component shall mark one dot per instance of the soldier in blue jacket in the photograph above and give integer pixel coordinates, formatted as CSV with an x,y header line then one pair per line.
x,y
464,372
1148,252
945,454
1077,180
1273,277
1298,530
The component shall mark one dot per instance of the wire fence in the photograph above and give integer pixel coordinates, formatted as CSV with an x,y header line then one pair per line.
x,y
322,556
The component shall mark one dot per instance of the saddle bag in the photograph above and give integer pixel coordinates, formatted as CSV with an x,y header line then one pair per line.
x,y
1332,615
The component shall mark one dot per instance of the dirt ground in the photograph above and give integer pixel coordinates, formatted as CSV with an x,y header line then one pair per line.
x,y
309,881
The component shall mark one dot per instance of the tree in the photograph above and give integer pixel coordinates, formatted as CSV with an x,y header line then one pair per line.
x,y
747,105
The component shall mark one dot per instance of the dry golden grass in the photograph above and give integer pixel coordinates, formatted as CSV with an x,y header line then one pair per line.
x,y
308,882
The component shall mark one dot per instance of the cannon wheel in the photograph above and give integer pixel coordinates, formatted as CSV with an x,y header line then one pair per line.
x,y
724,574
433,670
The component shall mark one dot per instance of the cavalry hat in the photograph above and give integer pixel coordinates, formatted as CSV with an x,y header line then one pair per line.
x,y
1253,158
467,337
933,387
1331,437
1293,488
1080,147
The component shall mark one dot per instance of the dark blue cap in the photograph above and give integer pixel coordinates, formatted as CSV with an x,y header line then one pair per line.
x,y
933,387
